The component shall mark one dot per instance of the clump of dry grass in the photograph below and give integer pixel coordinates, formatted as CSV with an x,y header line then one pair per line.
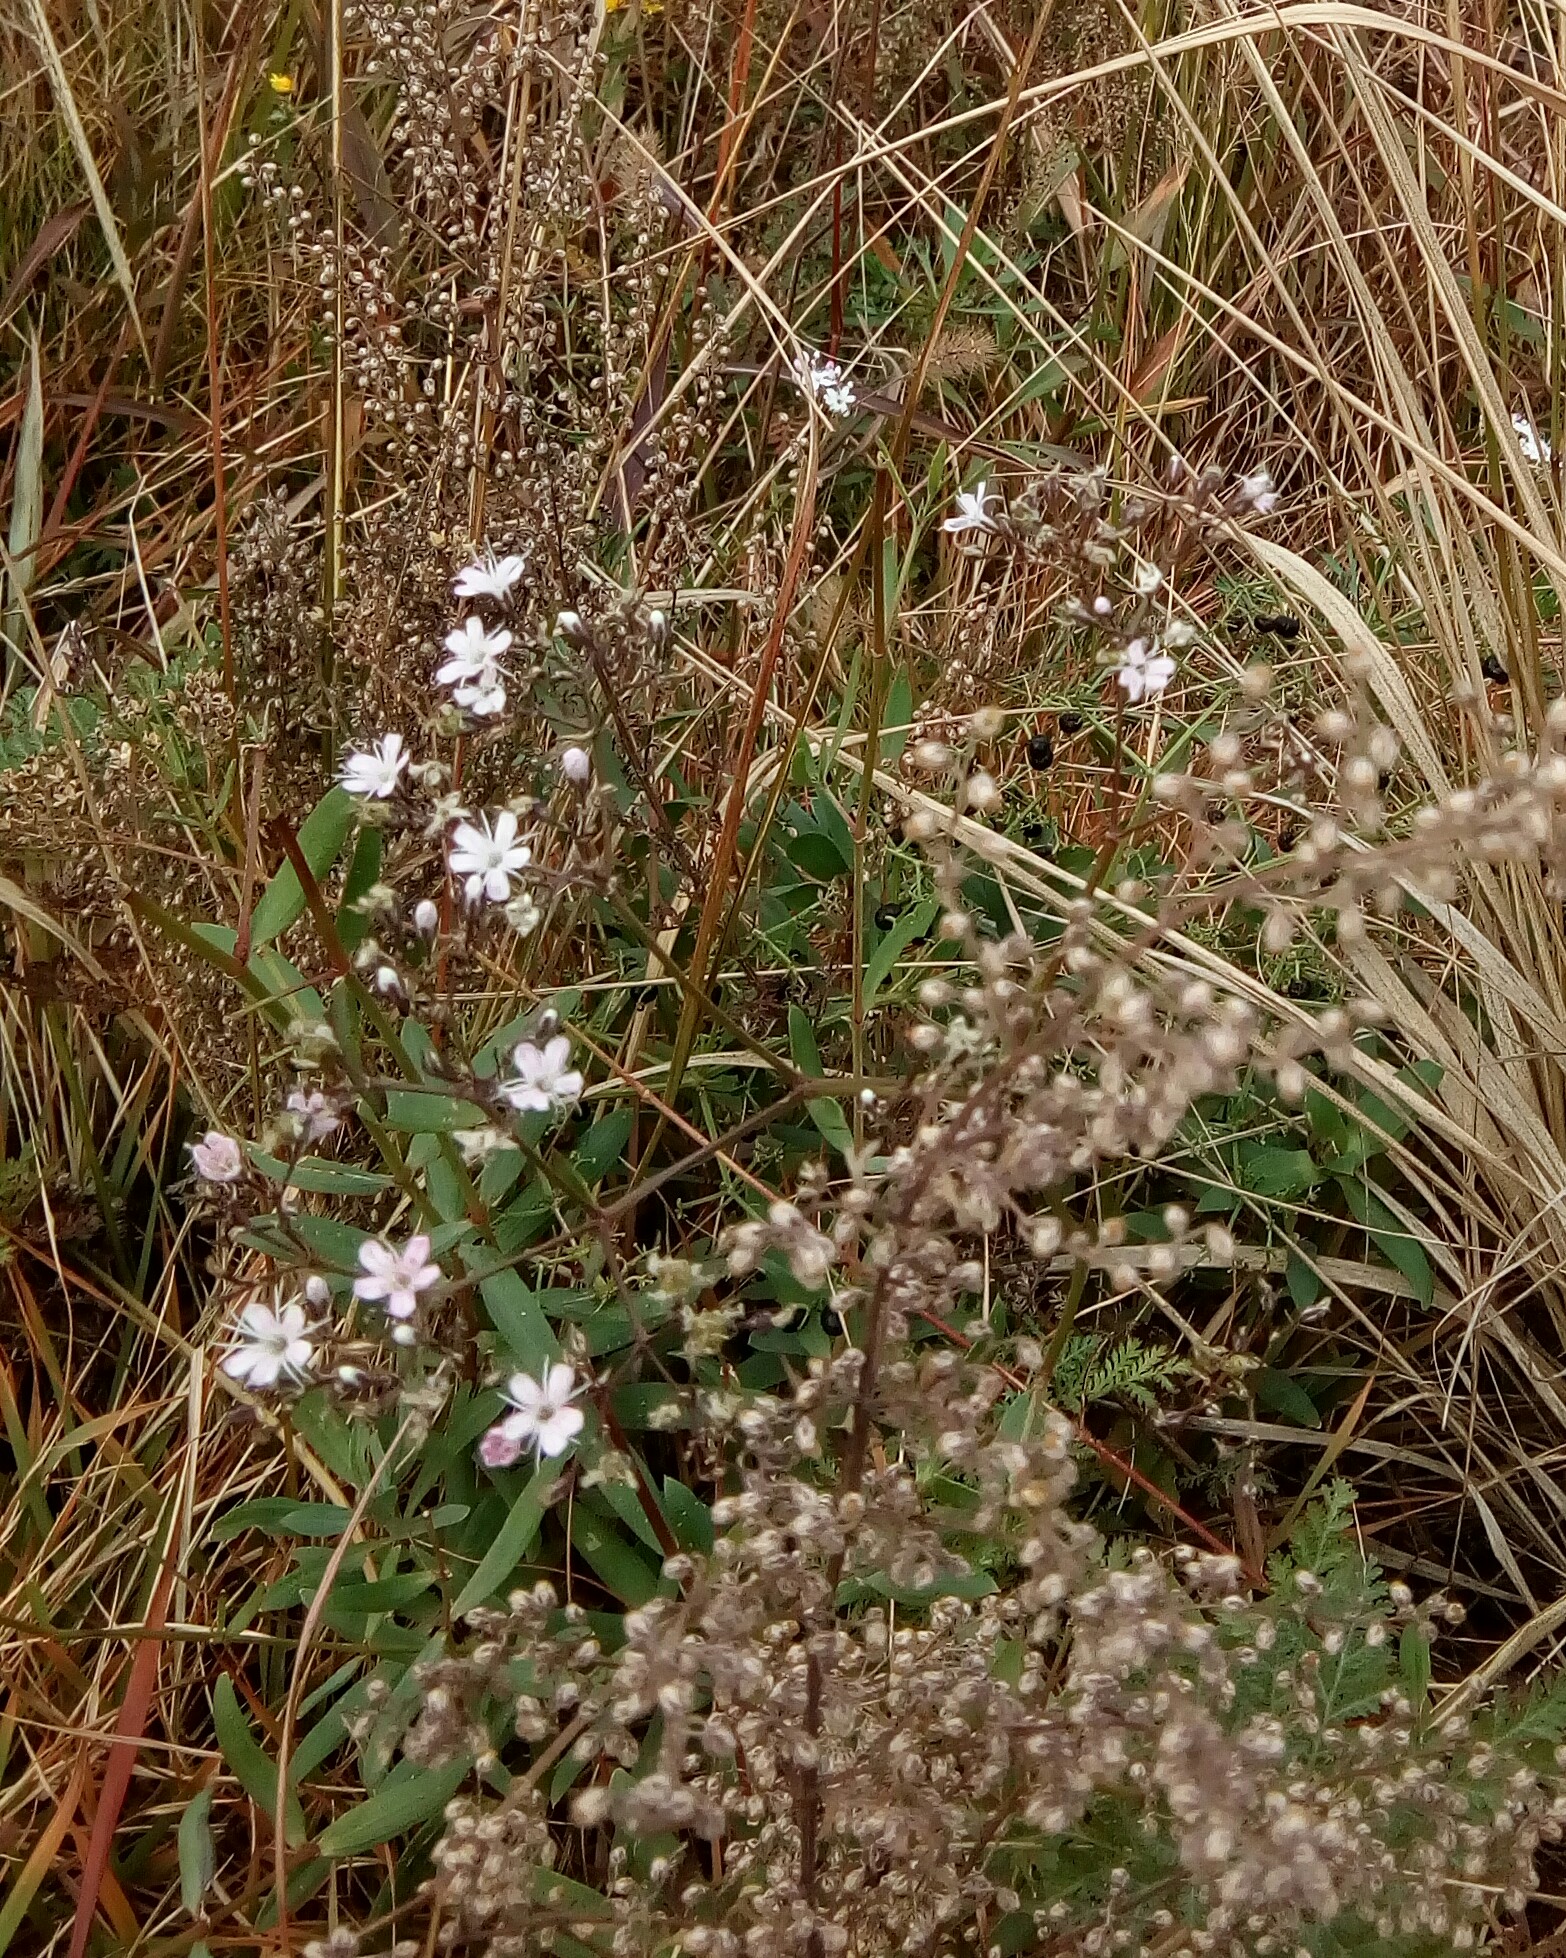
x,y
532,286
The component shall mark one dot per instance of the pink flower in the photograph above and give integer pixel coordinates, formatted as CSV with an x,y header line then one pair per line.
x,y
394,1277
217,1157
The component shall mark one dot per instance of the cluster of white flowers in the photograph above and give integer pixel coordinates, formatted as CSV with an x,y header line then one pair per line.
x,y
824,381
473,672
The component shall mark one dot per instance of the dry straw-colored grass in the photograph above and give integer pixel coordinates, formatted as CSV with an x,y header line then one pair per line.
x,y
1321,236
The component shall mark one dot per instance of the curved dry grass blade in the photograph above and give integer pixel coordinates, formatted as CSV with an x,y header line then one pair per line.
x,y
63,95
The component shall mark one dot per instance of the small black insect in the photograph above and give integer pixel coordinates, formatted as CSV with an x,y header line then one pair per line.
x,y
1282,625
1070,723
1041,751
1493,670
885,918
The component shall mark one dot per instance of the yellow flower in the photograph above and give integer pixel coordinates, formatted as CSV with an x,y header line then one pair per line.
x,y
281,84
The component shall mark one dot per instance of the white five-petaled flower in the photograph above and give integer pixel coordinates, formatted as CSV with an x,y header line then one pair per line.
x,y
395,1278
474,651
972,511
315,1114
488,577
270,1346
543,1417
487,858
543,1080
374,771
1144,671
218,1158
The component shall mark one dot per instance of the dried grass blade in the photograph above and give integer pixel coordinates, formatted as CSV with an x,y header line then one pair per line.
x,y
26,511
61,84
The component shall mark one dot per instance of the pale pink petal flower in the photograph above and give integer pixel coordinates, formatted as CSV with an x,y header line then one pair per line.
x,y
217,1157
270,1346
395,1278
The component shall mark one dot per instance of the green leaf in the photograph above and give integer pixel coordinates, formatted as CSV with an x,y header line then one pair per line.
x,y
1282,1395
899,936
896,718
1401,1251
689,1517
817,856
1413,1663
422,1111
1304,1284
363,868
252,1768
26,504
622,1570
324,1178
826,1114
410,1794
513,1541
197,1857
517,1316
602,1146
1275,1172
321,837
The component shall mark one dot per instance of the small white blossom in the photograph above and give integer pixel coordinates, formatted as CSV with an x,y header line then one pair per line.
x,y
395,1278
488,577
1257,492
543,1080
374,771
426,917
576,765
315,1115
568,624
478,1145
543,1418
1144,671
484,696
824,380
474,651
487,858
522,914
972,511
1534,446
270,1346
218,1158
